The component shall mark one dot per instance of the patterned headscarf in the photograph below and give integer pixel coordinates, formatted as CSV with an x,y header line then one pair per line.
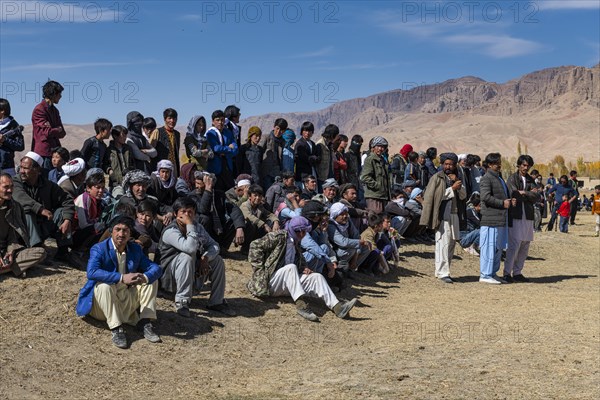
x,y
379,141
135,176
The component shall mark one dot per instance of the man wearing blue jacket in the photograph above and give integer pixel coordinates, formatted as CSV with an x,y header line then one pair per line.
x,y
121,280
224,147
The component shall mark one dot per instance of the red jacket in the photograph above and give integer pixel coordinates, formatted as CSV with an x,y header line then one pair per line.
x,y
46,129
565,209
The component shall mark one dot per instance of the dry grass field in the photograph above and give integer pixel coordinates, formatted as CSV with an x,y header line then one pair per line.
x,y
409,337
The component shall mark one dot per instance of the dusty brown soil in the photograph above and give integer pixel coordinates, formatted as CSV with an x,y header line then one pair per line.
x,y
409,337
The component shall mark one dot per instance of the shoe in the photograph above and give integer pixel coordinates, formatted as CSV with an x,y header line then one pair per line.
x,y
501,280
446,279
491,281
304,310
596,234
520,278
223,308
145,325
341,310
118,337
508,279
183,309
63,256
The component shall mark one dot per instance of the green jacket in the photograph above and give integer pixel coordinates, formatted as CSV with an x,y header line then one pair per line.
x,y
375,178
266,256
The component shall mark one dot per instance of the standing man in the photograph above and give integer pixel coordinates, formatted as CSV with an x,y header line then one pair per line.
x,y
225,149
521,188
493,233
47,125
440,213
15,254
375,178
166,140
272,145
325,165
306,154
232,115
121,281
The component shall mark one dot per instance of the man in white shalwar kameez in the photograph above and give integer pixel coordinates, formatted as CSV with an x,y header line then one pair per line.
x,y
440,212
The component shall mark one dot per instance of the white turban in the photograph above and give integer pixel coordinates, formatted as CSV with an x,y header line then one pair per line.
x,y
336,209
74,167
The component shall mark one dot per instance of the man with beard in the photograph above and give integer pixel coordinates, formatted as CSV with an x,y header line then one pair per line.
x,y
221,218
136,184
15,254
375,178
440,213
49,210
521,187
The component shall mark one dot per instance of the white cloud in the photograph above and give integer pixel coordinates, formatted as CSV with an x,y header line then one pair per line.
x,y
569,4
496,46
317,53
55,66
366,66
485,37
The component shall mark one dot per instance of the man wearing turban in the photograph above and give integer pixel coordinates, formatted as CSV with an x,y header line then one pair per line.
x,y
440,212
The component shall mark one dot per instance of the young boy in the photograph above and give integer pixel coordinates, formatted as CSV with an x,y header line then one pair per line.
x,y
596,209
60,156
94,148
119,158
565,212
371,235
11,138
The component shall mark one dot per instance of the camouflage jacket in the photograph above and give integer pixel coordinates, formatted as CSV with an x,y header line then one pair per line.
x,y
266,256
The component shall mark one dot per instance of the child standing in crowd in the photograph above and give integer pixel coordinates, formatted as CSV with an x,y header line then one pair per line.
x,y
60,156
596,209
564,212
94,149
11,138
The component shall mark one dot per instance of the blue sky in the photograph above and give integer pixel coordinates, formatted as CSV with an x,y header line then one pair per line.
x,y
272,56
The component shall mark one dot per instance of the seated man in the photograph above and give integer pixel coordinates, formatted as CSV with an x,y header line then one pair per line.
x,y
239,194
317,250
188,255
279,269
352,252
291,207
15,254
49,210
121,280
135,185
349,197
259,221
222,219
396,209
310,187
74,176
276,193
330,189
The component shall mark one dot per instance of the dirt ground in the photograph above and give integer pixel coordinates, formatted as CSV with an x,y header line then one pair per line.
x,y
409,337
